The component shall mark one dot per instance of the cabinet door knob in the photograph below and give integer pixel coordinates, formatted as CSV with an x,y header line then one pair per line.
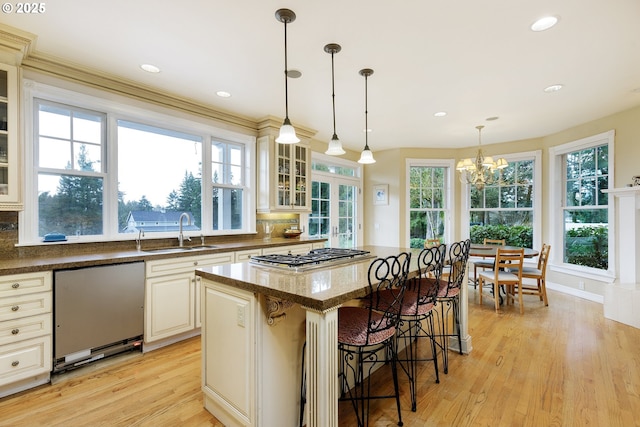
x,y
15,363
15,331
15,285
15,308
195,262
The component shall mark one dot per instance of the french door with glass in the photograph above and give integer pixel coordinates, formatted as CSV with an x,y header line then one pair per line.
x,y
334,211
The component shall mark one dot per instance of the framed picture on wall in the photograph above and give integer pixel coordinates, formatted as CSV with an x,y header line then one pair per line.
x,y
381,194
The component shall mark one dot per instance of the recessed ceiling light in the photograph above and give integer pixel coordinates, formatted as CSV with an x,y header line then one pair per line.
x,y
544,23
150,68
223,94
440,114
553,88
294,74
490,119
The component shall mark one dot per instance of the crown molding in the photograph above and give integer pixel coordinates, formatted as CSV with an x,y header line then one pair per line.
x,y
45,64
15,44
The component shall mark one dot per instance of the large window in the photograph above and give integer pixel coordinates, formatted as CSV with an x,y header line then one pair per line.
x,y
228,180
581,211
586,210
100,170
429,201
69,170
159,175
505,209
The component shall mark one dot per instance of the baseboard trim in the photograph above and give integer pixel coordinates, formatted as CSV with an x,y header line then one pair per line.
x,y
576,292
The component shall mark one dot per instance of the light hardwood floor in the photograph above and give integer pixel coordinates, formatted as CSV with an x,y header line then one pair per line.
x,y
562,365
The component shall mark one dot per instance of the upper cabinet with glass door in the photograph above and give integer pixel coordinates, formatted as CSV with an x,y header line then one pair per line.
x,y
283,176
9,184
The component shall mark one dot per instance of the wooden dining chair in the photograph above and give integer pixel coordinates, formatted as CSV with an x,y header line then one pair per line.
x,y
539,273
485,263
507,272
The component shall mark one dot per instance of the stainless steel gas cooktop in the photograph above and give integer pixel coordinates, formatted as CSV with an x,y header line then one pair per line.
x,y
317,258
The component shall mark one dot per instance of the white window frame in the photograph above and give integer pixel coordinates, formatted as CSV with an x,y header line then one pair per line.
x,y
449,165
556,207
536,156
120,109
465,195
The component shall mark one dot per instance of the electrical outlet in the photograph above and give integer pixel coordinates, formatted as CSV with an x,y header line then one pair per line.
x,y
581,285
240,315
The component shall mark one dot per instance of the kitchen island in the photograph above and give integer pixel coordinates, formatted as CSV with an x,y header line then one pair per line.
x,y
255,322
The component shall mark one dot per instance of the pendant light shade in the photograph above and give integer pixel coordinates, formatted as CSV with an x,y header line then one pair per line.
x,y
367,156
335,146
287,132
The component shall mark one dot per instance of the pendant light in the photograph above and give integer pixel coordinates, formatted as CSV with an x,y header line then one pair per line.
x,y
366,157
287,132
335,146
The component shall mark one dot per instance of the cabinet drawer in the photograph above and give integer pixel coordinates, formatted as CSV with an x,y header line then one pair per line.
x,y
247,254
186,264
25,305
20,284
294,249
25,328
25,359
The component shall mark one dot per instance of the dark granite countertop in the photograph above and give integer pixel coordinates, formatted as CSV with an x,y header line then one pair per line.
x,y
319,289
108,257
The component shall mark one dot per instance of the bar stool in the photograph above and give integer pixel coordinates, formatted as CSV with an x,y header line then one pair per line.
x,y
367,334
449,296
416,315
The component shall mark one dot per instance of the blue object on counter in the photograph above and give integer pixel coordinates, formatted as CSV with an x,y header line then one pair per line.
x,y
55,237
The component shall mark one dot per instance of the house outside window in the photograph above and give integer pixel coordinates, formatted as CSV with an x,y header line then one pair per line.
x,y
430,200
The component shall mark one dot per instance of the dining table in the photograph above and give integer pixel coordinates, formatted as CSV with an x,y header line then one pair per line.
x,y
490,251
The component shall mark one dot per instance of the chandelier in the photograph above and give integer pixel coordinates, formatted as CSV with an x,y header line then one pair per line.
x,y
482,170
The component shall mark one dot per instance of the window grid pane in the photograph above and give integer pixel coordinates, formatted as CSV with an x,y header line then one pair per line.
x,y
585,212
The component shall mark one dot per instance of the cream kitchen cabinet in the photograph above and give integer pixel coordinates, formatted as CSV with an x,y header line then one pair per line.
x,y
10,199
284,177
301,248
172,296
246,254
26,330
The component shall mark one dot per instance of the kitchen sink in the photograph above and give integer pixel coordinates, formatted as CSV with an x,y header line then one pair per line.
x,y
179,249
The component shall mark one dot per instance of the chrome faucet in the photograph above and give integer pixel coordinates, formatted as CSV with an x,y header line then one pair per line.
x,y
139,240
180,235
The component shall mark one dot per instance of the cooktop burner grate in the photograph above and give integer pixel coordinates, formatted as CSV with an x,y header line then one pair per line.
x,y
316,257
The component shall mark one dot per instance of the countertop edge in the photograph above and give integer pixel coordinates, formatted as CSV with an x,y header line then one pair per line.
x,y
30,265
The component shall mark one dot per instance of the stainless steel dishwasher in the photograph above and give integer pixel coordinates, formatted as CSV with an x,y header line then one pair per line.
x,y
98,312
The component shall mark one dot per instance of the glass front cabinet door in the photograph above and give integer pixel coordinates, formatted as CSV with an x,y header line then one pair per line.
x,y
283,176
9,185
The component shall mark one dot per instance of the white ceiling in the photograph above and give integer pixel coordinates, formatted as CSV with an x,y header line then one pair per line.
x,y
473,59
